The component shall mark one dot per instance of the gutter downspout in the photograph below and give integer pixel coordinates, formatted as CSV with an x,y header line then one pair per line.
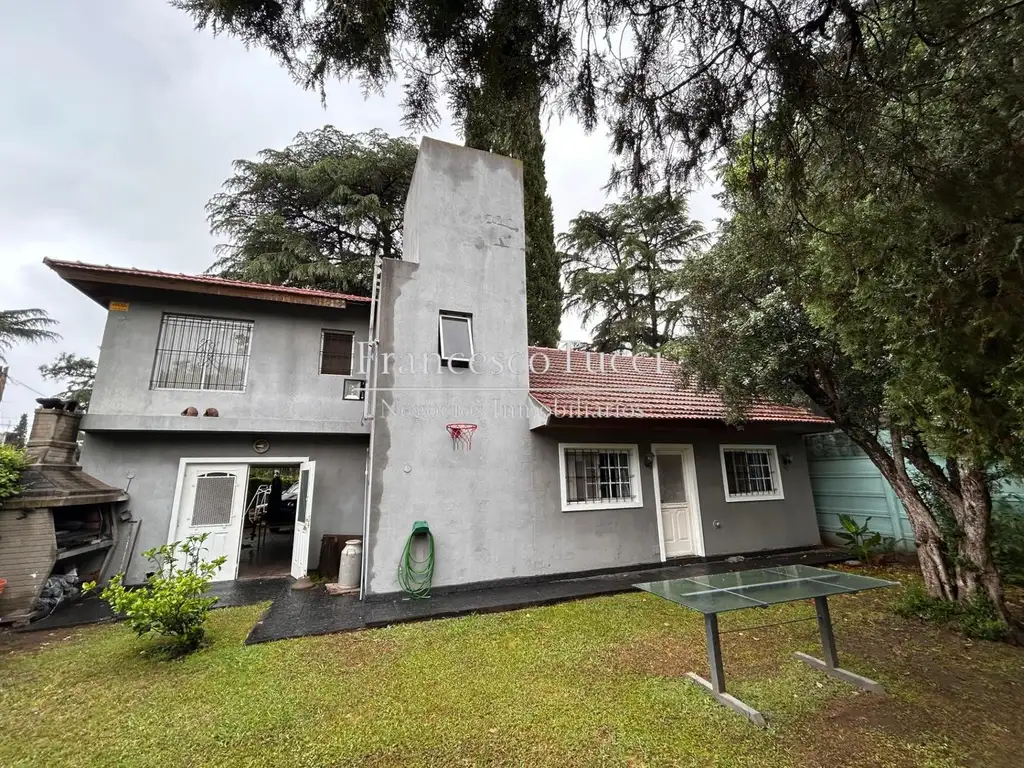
x,y
369,411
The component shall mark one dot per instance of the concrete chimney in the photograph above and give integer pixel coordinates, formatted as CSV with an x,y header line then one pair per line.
x,y
54,438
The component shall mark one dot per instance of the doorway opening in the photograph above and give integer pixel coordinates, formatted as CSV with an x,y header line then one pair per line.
x,y
256,514
268,531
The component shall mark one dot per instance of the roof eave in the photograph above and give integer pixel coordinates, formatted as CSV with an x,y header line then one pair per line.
x,y
84,279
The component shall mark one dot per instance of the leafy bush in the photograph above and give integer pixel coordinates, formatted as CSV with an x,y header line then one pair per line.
x,y
975,619
861,542
13,462
171,603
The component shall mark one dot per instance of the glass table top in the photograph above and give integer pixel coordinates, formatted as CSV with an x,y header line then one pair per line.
x,y
759,587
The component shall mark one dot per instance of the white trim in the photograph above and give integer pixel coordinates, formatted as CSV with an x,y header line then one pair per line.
x,y
657,507
183,463
352,352
451,314
248,355
634,476
773,453
692,494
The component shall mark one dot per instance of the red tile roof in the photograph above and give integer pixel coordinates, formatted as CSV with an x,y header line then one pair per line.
x,y
594,385
105,273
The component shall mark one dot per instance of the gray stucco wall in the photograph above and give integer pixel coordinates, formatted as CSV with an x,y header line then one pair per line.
x,y
749,526
495,511
154,460
284,389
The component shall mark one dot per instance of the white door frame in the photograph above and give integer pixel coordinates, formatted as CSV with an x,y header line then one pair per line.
x,y
179,483
692,494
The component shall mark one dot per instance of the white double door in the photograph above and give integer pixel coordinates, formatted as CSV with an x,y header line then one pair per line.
x,y
212,501
677,509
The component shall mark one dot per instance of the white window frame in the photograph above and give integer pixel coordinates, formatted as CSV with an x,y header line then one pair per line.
x,y
634,475
248,357
773,457
352,356
451,315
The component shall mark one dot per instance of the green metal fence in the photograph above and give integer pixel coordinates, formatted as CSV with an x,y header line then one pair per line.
x,y
844,481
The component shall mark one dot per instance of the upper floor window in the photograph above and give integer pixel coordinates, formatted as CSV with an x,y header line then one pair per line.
x,y
336,353
202,353
455,337
751,472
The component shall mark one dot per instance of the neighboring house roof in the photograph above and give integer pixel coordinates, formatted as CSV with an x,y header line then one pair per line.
x,y
595,385
96,280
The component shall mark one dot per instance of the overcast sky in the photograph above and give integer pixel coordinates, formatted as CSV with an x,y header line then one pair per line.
x,y
119,121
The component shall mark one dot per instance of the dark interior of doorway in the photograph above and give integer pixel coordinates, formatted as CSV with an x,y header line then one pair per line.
x,y
271,496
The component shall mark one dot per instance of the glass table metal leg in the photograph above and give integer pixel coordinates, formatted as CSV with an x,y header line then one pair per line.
x,y
717,685
830,664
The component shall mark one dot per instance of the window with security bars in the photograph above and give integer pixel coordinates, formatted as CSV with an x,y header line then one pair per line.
x,y
214,496
202,353
751,473
599,476
336,353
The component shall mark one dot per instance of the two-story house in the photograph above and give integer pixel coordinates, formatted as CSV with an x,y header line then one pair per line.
x,y
578,461
277,365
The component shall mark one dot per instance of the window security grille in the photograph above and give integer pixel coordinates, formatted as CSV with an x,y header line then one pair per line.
x,y
336,353
597,475
202,353
750,473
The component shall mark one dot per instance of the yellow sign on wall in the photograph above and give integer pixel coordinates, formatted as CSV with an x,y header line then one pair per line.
x,y
119,306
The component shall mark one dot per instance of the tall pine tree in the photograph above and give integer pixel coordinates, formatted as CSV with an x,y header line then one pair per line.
x,y
495,62
20,433
503,115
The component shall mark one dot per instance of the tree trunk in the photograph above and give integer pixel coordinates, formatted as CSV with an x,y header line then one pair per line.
x,y
965,489
976,571
929,542
928,539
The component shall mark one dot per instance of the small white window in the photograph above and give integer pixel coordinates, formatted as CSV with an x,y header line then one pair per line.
x,y
599,476
751,472
455,335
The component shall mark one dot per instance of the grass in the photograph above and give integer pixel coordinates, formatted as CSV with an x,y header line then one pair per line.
x,y
595,682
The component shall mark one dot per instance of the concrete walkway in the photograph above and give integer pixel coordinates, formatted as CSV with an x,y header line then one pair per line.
x,y
313,612
92,610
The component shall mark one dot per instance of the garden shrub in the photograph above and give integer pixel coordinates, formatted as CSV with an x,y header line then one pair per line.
x,y
975,619
13,462
171,603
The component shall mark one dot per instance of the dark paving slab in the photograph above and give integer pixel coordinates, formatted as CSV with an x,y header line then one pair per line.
x,y
92,610
301,613
314,612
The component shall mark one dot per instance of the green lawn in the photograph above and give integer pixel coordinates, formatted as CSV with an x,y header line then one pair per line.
x,y
595,682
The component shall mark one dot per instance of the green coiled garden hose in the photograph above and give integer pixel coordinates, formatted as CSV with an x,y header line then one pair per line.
x,y
415,576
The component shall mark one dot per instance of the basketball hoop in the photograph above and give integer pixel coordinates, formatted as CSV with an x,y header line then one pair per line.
x,y
462,436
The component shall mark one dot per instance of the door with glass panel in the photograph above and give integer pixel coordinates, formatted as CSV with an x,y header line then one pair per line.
x,y
675,511
303,519
212,501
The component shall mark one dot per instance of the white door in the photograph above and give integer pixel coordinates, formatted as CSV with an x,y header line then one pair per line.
x,y
303,519
674,508
213,502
